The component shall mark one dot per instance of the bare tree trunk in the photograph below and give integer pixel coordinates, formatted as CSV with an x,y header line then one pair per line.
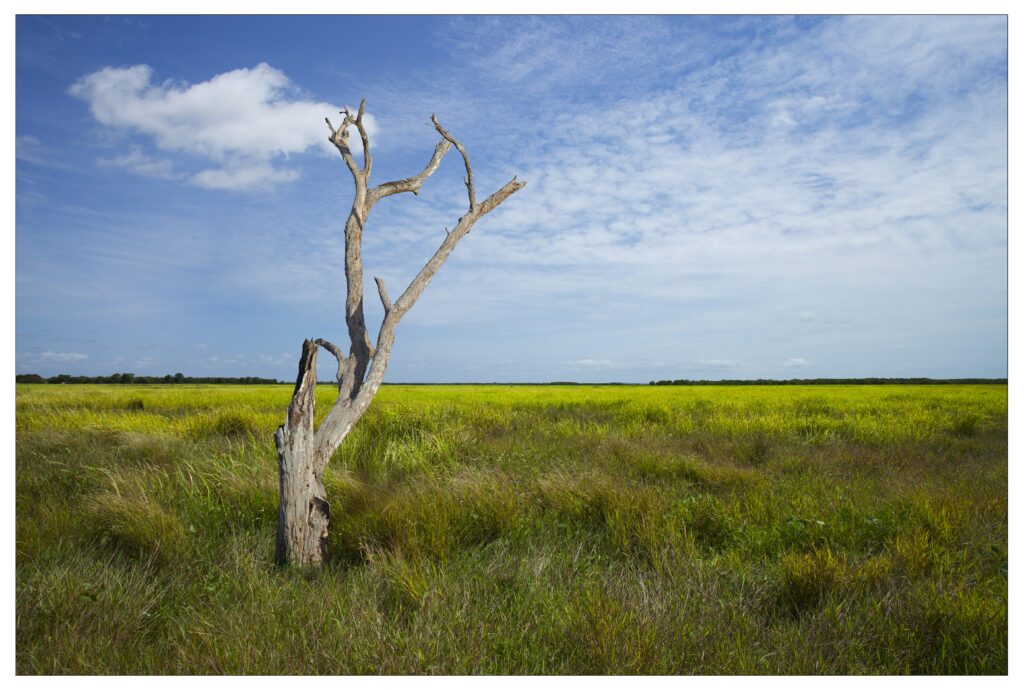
x,y
303,512
302,451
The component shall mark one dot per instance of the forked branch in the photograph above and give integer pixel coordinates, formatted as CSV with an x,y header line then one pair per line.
x,y
340,419
361,373
340,138
358,122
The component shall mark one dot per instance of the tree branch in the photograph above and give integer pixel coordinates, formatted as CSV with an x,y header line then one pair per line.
x,y
411,184
367,162
330,347
461,229
465,157
340,139
491,202
382,291
350,376
338,355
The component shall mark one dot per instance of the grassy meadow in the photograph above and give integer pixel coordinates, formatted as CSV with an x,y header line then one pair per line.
x,y
500,529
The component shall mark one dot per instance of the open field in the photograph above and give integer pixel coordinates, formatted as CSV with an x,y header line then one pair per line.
x,y
497,529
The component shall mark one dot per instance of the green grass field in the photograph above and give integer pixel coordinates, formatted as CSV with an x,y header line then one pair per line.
x,y
498,529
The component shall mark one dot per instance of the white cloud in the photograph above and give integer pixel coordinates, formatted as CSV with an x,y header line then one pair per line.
x,y
538,53
245,121
247,359
695,222
592,362
796,362
243,177
29,148
720,363
62,356
142,164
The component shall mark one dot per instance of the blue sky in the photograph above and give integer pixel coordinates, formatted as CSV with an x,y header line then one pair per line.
x,y
708,197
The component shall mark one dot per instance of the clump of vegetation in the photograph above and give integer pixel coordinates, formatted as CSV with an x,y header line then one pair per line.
x,y
136,526
233,423
406,580
432,518
496,529
966,424
135,404
808,578
708,521
757,450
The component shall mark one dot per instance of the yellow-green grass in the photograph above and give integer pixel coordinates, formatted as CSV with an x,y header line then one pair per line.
x,y
520,529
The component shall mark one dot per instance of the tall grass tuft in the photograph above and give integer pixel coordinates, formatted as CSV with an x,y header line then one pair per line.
x,y
809,578
136,526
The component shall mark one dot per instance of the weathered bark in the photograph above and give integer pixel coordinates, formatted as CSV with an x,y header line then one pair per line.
x,y
303,512
303,452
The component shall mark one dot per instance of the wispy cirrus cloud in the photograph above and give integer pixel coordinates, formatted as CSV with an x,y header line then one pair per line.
x,y
29,148
700,215
590,362
706,196
49,356
720,363
796,163
142,164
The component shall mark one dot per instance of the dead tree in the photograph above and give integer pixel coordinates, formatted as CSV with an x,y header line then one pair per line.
x,y
302,451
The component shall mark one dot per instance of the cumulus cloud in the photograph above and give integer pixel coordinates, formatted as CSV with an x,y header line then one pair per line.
x,y
808,315
796,362
244,121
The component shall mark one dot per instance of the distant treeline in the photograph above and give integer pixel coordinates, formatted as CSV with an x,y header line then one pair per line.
x,y
820,382
255,380
132,378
